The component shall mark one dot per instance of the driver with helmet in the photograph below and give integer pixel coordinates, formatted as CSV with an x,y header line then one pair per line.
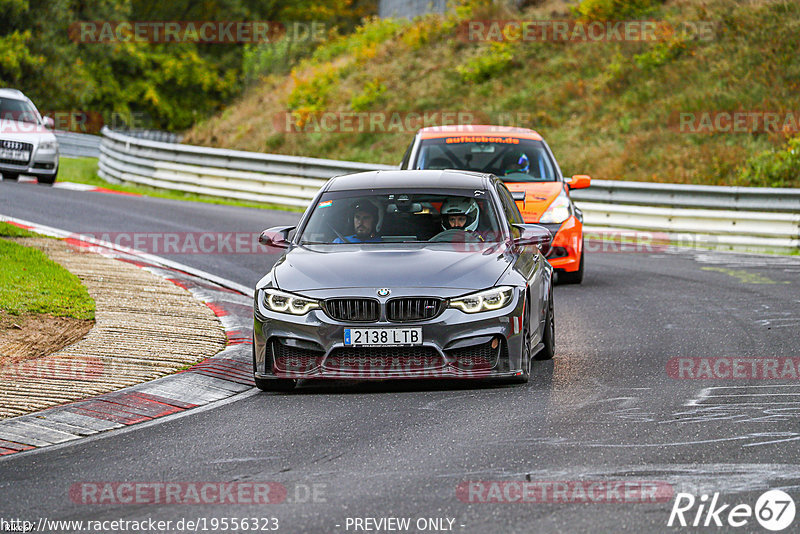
x,y
517,163
460,213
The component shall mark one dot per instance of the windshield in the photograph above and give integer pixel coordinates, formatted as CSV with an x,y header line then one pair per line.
x,y
12,109
402,216
510,158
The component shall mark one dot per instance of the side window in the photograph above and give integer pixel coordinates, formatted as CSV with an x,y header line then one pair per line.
x,y
407,155
509,206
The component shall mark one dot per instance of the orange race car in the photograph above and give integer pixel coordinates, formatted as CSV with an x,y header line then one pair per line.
x,y
522,159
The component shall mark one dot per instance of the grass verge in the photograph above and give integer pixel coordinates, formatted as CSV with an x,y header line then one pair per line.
x,y
30,282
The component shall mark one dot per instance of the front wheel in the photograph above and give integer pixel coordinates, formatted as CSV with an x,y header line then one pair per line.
x,y
48,179
549,339
526,347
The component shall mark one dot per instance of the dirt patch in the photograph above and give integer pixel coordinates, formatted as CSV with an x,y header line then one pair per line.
x,y
24,337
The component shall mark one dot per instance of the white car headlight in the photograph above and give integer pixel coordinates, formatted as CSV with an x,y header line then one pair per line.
x,y
487,300
282,302
559,211
48,145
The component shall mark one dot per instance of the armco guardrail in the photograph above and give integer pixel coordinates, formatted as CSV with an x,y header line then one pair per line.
x,y
728,217
75,145
276,179
691,196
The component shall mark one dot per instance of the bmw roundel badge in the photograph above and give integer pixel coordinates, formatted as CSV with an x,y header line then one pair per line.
x,y
384,292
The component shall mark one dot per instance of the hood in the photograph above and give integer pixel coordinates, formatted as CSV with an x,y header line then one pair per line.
x,y
14,130
309,268
538,197
26,133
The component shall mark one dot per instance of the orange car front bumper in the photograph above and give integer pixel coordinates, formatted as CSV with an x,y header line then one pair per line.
x,y
565,250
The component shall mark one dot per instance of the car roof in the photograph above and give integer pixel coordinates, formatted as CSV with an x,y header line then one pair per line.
x,y
436,132
13,93
388,179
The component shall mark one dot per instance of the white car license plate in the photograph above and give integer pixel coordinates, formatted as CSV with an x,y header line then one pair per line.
x,y
387,337
16,155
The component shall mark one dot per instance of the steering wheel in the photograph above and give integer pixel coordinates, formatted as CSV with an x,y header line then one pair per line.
x,y
455,235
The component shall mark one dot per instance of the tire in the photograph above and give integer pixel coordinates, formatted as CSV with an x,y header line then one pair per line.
x,y
526,347
549,339
575,277
12,176
48,179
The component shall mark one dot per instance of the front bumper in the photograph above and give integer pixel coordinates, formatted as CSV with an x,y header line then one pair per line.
x,y
454,345
41,163
567,245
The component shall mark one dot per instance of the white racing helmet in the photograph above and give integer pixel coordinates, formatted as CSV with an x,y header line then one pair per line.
x,y
460,206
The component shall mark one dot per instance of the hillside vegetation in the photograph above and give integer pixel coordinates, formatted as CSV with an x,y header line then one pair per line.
x,y
609,109
55,52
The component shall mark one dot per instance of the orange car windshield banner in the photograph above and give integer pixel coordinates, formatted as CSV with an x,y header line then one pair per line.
x,y
481,139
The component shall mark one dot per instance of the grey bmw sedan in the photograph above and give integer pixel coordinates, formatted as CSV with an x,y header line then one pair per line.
x,y
405,274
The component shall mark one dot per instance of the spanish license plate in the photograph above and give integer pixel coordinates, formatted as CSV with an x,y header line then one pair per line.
x,y
382,337
16,155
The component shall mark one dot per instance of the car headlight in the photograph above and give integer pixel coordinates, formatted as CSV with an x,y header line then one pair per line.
x,y
487,300
48,145
282,302
559,211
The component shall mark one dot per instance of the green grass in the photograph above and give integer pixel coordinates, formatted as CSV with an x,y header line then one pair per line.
x,y
84,171
9,230
30,282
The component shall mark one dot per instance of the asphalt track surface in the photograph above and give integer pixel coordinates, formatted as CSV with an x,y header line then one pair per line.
x,y
605,408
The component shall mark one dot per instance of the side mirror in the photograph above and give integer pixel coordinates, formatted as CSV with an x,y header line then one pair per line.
x,y
518,196
277,236
49,123
579,181
532,234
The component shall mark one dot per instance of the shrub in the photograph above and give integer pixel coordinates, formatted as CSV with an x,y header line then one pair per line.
x,y
372,94
774,168
497,58
615,9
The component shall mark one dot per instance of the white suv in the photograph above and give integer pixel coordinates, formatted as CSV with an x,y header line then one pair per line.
x,y
27,143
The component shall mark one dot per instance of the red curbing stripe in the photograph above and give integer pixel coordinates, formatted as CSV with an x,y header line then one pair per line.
x,y
113,192
3,452
178,283
218,311
78,243
109,412
143,407
14,446
18,225
163,400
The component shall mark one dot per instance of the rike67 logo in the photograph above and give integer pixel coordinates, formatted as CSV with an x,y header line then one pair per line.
x,y
774,510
